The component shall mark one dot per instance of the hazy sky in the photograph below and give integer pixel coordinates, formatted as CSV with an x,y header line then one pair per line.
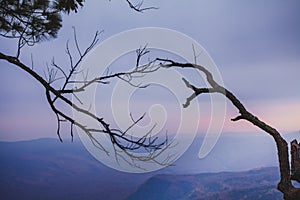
x,y
255,44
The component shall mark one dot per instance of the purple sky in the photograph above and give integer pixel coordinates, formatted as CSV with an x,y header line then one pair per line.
x,y
255,44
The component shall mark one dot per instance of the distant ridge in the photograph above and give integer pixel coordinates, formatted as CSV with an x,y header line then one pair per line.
x,y
48,169
253,184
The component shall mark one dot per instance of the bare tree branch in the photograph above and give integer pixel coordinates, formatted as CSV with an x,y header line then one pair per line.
x,y
139,6
120,139
285,184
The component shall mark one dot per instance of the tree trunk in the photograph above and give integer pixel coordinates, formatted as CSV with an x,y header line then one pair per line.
x,y
295,162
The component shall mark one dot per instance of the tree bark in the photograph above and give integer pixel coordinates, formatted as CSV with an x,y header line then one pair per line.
x,y
295,160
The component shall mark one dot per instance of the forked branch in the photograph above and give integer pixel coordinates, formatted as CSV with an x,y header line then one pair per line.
x,y
66,77
139,6
285,184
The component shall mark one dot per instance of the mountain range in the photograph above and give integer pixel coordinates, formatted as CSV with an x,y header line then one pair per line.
x,y
248,185
48,169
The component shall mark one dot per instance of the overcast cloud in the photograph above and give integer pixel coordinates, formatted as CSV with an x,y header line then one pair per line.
x,y
255,44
